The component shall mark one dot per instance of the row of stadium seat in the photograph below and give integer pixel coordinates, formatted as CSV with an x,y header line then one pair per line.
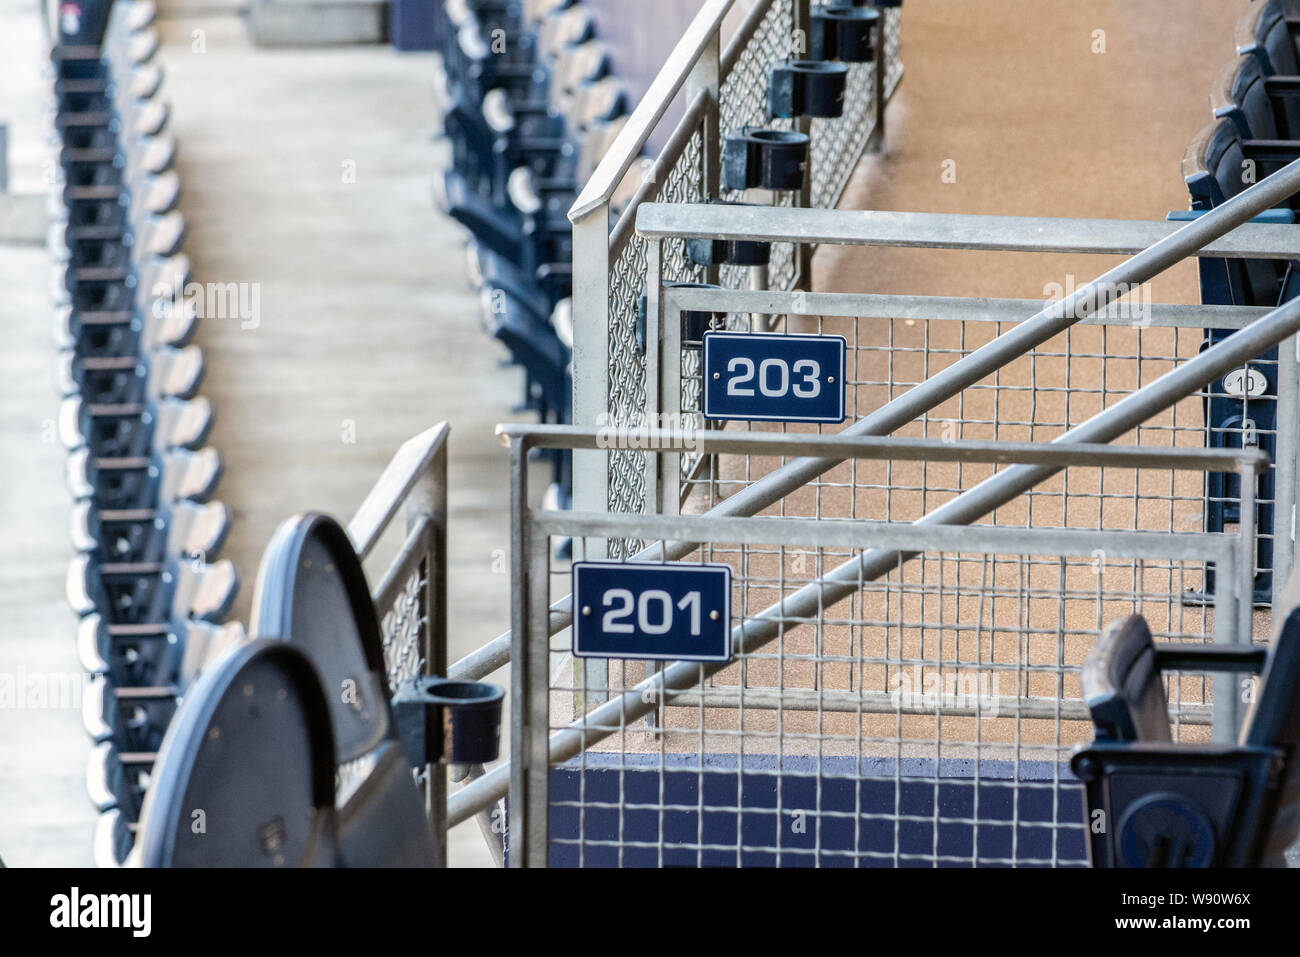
x,y
1255,131
151,595
1234,804
529,107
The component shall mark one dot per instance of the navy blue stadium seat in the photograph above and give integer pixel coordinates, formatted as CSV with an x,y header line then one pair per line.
x,y
1153,802
1216,168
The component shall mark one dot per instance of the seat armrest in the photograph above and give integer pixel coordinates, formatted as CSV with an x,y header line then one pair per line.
x,y
1188,657
1287,150
1282,86
1163,804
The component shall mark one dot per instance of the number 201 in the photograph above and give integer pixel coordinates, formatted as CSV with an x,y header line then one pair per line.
x,y
654,611
742,374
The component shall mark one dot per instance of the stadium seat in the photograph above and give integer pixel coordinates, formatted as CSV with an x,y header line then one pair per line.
x,y
1213,171
181,529
1170,804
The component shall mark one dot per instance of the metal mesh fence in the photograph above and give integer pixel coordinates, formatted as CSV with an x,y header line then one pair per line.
x,y
924,720
838,143
1033,398
627,369
893,62
404,629
836,147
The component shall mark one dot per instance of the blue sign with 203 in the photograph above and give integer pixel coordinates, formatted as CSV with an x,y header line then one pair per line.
x,y
674,611
754,376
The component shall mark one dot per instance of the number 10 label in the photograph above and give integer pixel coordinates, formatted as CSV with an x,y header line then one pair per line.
x,y
752,376
674,611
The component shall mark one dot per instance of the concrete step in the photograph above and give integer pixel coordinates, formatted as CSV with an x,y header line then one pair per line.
x,y
299,23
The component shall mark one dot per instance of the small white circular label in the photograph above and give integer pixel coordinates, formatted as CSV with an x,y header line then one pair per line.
x,y
1245,383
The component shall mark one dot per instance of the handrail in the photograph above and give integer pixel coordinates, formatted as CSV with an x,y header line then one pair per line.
x,y
856,305
981,451
403,473
628,144
847,227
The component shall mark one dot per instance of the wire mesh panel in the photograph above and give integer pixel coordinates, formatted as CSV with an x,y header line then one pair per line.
x,y
1034,397
742,101
627,368
742,97
405,629
912,713
893,61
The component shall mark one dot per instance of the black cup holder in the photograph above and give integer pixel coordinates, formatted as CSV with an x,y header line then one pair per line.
x,y
844,33
730,252
440,720
695,323
770,159
807,88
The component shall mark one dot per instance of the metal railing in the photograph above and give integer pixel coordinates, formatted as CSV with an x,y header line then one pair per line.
x,y
721,91
824,634
989,368
1207,234
411,596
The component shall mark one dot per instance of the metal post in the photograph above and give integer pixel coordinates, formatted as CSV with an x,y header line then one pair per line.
x,y
803,251
521,709
705,77
876,142
657,358
1285,466
591,337
428,501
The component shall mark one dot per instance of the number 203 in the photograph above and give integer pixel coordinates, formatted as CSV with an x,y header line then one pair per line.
x,y
774,378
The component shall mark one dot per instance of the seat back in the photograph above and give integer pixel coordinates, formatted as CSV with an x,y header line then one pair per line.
x,y
1122,685
1239,95
1262,32
311,592
1275,723
264,781
1215,170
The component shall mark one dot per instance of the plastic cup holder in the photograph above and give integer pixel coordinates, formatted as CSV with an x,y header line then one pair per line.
x,y
448,721
770,159
733,252
807,88
842,32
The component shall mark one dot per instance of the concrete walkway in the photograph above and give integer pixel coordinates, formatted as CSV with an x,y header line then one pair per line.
x,y
307,174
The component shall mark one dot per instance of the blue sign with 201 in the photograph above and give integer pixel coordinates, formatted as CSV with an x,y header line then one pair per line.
x,y
754,376
674,611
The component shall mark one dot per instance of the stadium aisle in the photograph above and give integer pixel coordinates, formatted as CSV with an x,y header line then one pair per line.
x,y
307,173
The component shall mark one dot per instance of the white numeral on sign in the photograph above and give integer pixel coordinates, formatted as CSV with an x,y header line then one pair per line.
x,y
736,386
773,377
654,611
811,386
